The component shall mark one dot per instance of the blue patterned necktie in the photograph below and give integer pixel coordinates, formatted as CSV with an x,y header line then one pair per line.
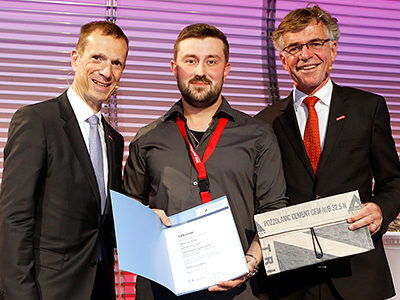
x,y
96,156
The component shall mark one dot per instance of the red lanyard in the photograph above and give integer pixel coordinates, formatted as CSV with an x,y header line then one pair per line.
x,y
198,162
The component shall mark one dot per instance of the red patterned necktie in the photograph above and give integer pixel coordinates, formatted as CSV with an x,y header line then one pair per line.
x,y
311,133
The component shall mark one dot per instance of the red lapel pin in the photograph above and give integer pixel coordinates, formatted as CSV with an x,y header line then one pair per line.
x,y
340,118
110,137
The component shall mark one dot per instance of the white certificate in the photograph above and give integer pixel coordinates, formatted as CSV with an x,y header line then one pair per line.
x,y
199,249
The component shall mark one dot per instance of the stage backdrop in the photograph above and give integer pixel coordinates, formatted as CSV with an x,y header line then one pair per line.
x,y
37,37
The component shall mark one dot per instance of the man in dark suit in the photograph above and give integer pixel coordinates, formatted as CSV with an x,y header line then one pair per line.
x,y
347,145
56,228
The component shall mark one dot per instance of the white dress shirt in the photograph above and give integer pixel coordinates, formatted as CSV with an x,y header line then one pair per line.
x,y
322,107
82,112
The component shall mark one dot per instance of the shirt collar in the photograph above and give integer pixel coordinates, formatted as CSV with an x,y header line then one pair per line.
x,y
324,95
81,110
223,110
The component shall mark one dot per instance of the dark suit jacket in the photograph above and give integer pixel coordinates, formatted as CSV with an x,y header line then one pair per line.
x,y
358,147
50,220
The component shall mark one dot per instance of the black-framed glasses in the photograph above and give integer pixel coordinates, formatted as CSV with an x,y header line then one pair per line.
x,y
313,45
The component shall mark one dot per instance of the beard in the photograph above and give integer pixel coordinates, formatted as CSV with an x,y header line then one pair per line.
x,y
199,101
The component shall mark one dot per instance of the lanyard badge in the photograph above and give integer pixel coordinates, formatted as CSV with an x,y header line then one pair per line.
x,y
198,162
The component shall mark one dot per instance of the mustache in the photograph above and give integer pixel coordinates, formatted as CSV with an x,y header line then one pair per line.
x,y
198,78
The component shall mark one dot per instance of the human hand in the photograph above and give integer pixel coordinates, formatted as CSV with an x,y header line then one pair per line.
x,y
230,284
163,216
227,285
370,215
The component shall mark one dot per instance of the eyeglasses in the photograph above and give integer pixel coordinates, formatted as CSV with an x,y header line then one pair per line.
x,y
314,45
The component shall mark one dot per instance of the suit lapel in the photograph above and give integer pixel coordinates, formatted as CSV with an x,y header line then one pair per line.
x,y
336,120
77,142
290,126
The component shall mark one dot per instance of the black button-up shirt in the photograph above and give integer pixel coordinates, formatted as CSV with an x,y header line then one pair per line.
x,y
245,166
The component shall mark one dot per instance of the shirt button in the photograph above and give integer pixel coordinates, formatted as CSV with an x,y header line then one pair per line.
x,y
195,182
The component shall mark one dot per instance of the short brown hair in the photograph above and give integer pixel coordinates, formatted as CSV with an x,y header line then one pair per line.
x,y
106,27
202,31
299,19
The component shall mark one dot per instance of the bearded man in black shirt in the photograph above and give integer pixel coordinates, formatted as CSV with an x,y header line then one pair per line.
x,y
245,164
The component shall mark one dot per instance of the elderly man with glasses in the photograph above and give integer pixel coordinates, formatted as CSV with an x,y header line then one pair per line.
x,y
333,140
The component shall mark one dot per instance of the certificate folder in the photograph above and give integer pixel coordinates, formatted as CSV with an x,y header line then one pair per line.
x,y
199,249
311,233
